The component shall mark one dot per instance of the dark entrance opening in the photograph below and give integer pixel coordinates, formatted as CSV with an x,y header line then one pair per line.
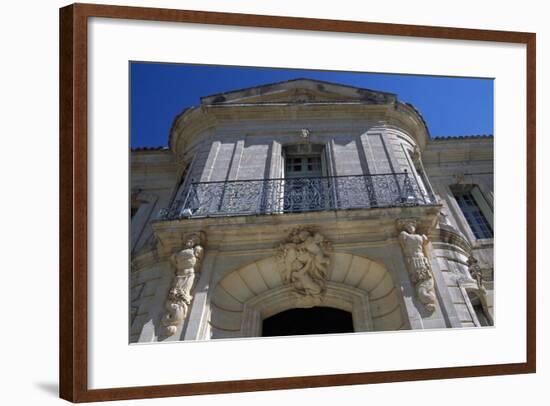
x,y
315,320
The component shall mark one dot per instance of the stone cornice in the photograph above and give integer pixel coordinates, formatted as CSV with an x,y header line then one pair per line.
x,y
193,126
189,129
412,121
458,150
451,236
290,90
145,164
350,226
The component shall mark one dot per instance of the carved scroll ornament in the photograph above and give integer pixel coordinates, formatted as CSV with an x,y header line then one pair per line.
x,y
413,246
186,263
303,264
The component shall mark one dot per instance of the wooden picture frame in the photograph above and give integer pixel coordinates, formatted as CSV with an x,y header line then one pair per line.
x,y
74,162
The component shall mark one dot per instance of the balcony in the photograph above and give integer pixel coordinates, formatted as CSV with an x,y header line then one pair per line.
x,y
298,195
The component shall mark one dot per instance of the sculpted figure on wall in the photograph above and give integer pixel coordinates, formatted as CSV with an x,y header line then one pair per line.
x,y
476,273
418,265
186,263
304,264
416,155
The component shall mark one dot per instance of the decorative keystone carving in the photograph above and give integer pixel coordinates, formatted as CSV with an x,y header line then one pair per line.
x,y
418,265
304,264
186,264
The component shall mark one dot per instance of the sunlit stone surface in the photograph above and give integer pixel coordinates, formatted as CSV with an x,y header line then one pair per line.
x,y
316,183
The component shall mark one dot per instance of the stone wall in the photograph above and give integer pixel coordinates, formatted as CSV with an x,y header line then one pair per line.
x,y
359,148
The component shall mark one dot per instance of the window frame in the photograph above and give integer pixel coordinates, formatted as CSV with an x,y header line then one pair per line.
x,y
486,211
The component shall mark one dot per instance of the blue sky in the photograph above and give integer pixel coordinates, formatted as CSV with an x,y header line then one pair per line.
x,y
450,106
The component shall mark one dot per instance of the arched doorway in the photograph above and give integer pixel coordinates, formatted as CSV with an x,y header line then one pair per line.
x,y
247,296
314,320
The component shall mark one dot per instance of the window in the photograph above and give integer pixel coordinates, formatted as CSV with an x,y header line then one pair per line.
x,y
305,189
303,161
475,209
303,166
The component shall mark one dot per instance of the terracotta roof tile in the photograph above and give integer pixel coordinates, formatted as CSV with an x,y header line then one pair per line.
x,y
461,137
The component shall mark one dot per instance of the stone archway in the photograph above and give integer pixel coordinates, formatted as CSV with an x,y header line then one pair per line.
x,y
246,296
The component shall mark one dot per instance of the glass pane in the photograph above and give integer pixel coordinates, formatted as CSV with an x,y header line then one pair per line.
x,y
474,216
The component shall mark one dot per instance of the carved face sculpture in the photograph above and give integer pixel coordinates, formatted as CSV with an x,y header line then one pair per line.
x,y
193,240
409,228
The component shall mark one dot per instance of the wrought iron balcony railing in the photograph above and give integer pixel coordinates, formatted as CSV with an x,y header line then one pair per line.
x,y
296,195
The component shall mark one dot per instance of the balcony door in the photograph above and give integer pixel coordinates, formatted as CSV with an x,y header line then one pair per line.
x,y
305,182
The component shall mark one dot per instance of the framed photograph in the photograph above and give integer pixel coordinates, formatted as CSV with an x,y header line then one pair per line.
x,y
255,202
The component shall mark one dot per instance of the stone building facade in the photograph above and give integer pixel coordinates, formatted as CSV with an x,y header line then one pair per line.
x,y
308,195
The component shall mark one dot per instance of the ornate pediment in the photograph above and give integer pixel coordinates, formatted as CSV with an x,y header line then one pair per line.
x,y
299,91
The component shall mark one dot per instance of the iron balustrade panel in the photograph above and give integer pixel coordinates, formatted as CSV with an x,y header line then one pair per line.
x,y
307,194
297,195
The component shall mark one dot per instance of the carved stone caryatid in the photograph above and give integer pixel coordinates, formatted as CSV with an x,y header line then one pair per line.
x,y
304,264
418,265
476,273
187,264
416,155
